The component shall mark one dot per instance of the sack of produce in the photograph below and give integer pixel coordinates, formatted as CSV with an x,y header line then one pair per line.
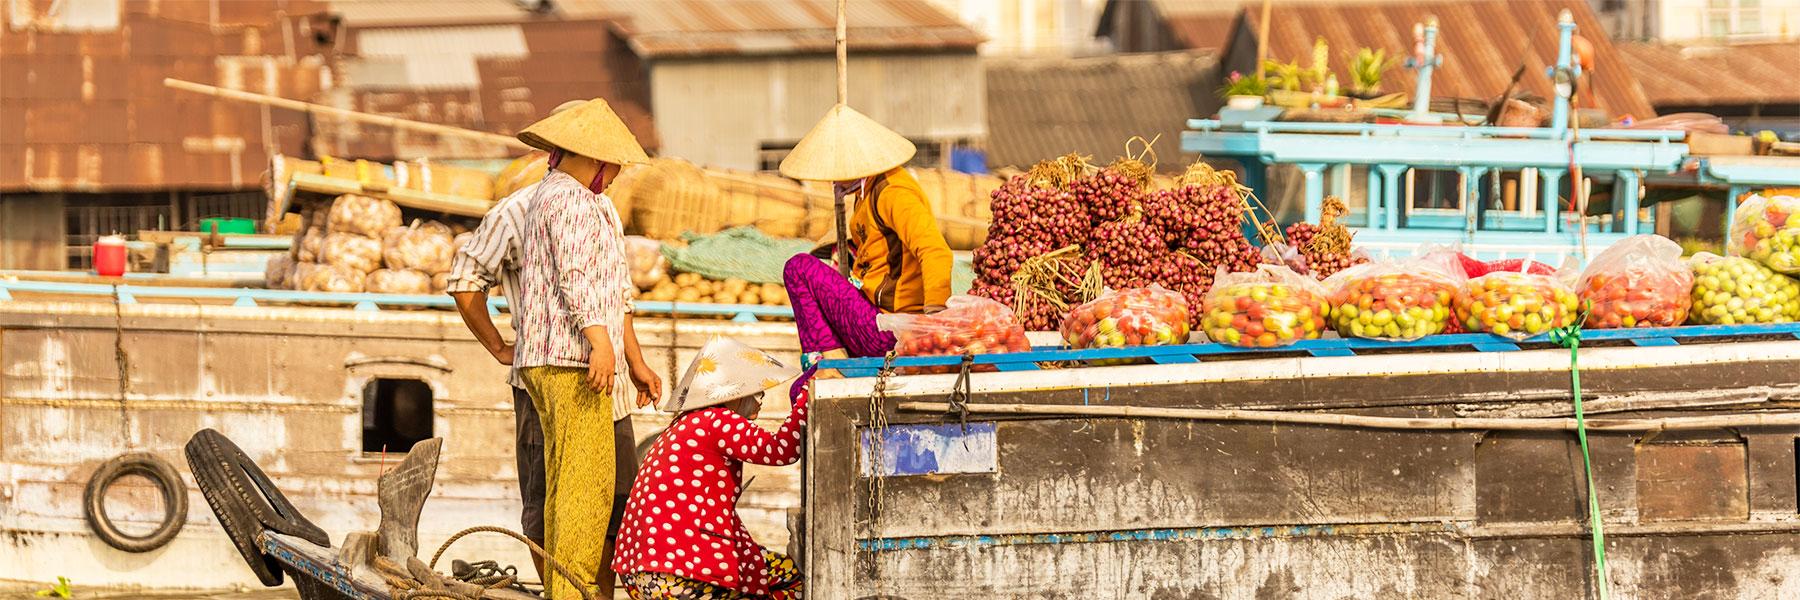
x,y
440,282
1767,229
351,251
1391,300
1736,290
328,278
1515,305
1638,282
278,275
1271,306
967,325
426,246
1149,316
648,265
363,215
398,281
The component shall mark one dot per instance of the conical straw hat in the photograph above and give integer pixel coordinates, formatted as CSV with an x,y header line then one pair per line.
x,y
590,130
846,145
724,370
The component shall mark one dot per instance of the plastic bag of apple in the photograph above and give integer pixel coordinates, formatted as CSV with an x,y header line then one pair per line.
x,y
1515,305
967,325
1395,300
1150,316
1767,230
1640,281
1269,307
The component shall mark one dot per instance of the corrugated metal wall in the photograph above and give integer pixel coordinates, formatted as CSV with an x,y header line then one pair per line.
x,y
721,112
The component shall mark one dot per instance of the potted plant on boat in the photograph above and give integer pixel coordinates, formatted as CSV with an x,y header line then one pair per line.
x,y
1366,69
1243,92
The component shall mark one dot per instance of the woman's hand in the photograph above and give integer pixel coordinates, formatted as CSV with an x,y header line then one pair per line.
x,y
601,365
649,386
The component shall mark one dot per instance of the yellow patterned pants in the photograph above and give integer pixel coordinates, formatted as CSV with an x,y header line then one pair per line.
x,y
578,472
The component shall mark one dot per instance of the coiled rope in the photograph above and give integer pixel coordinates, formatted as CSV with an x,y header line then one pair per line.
x,y
407,584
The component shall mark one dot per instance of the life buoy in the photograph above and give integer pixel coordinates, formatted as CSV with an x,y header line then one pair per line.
x,y
168,484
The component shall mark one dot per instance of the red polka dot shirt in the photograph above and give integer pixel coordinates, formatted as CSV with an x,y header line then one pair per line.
x,y
682,517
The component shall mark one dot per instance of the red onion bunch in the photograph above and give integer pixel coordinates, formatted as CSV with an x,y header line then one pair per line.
x,y
1129,252
1108,194
1322,264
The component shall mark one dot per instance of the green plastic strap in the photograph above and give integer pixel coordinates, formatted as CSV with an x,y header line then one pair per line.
x,y
1570,337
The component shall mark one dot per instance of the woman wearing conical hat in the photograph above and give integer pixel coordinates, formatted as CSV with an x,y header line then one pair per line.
x,y
900,260
682,538
573,317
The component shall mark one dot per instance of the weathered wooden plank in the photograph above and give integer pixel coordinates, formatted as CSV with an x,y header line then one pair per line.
x,y
1058,475
830,490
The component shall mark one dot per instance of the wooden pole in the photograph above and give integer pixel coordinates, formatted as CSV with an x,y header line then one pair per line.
x,y
842,251
1787,419
1262,37
348,115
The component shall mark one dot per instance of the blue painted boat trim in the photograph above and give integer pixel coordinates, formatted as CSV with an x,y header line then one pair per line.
x,y
331,575
362,301
1481,342
1157,535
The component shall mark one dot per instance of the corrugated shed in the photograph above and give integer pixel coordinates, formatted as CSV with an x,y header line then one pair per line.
x,y
1044,108
1482,42
1700,76
86,110
432,58
398,13
496,78
692,28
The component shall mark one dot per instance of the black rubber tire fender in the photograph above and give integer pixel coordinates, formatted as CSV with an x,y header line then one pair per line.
x,y
169,485
245,501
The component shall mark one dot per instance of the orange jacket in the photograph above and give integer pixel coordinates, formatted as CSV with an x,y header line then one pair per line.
x,y
894,232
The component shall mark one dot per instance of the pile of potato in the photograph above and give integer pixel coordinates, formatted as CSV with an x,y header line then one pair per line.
x,y
359,244
692,288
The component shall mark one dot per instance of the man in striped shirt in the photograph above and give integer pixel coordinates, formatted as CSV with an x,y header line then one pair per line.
x,y
493,256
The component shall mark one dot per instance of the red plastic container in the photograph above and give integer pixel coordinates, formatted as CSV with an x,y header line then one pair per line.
x,y
109,256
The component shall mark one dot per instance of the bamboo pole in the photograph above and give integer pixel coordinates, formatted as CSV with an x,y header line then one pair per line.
x,y
1785,419
1262,37
842,251
349,115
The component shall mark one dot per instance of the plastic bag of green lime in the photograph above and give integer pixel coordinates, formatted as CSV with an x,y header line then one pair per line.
x,y
1767,229
1736,290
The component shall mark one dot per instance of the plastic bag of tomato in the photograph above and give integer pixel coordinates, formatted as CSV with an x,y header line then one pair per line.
x,y
1150,316
1640,281
967,325
1269,307
1394,300
1515,305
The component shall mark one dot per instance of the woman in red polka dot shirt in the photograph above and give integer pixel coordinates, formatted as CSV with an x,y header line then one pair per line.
x,y
681,538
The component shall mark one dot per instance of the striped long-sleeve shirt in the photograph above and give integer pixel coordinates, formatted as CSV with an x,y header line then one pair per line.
x,y
493,256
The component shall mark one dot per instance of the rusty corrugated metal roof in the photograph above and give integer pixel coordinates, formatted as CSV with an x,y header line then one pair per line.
x,y
688,28
1044,108
1700,76
1482,42
87,111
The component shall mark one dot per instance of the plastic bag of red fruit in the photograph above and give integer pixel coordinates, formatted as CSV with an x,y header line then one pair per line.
x,y
967,325
1640,281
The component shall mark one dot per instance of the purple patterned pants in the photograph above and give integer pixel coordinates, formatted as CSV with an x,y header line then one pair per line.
x,y
829,312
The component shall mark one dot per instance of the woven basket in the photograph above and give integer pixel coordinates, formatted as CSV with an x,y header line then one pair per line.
x,y
774,204
960,202
667,197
